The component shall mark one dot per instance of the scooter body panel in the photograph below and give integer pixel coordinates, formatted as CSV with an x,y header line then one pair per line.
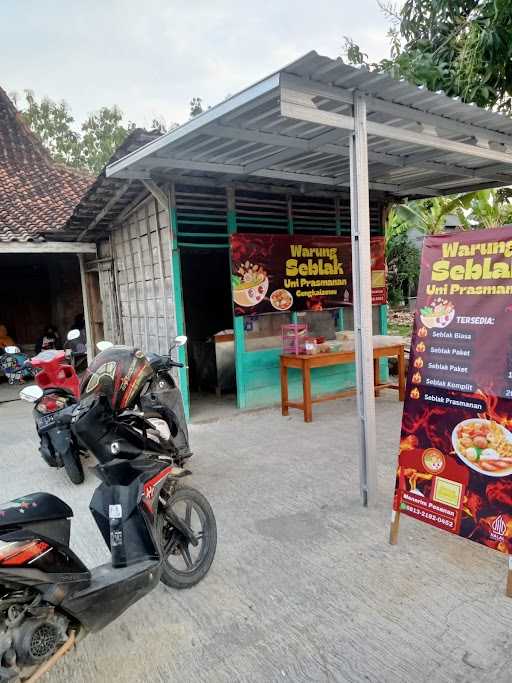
x,y
41,547
110,592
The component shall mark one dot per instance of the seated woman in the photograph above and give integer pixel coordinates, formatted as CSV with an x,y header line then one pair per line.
x,y
50,339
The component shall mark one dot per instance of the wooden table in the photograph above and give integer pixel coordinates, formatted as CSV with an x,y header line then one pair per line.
x,y
321,360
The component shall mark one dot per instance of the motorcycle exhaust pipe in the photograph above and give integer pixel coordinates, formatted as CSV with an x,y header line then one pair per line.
x,y
50,663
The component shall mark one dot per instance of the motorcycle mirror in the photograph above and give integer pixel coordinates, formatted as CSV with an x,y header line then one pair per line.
x,y
31,394
12,349
104,345
181,340
73,334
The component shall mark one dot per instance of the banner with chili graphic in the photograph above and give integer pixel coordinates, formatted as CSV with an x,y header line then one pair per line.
x,y
298,272
455,460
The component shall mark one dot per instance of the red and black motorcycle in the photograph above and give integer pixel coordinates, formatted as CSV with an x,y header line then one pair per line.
x,y
155,529
59,388
142,392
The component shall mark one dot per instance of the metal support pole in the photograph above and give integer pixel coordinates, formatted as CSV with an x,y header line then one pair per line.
x,y
361,274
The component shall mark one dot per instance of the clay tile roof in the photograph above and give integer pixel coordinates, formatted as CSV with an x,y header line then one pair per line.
x,y
37,195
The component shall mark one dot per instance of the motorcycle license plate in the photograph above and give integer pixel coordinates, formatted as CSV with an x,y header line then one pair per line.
x,y
45,421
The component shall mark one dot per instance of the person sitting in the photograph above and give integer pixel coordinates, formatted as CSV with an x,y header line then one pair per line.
x,y
5,340
50,339
79,345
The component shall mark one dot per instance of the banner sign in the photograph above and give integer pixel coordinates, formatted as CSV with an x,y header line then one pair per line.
x,y
298,272
455,462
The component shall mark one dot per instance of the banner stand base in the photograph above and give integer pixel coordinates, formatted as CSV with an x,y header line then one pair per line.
x,y
393,540
394,528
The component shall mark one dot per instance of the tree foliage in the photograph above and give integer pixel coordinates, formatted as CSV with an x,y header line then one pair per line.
x,y
429,216
196,106
90,146
489,209
52,123
403,263
462,47
102,133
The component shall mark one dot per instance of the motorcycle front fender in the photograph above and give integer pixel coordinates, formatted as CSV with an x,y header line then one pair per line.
x,y
62,442
47,451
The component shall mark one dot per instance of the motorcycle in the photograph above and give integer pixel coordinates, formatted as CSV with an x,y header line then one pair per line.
x,y
153,406
156,530
12,364
58,387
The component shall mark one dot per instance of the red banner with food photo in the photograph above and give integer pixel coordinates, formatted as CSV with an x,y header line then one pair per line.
x,y
455,460
277,273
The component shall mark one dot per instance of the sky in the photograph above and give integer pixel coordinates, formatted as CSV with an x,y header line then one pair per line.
x,y
150,57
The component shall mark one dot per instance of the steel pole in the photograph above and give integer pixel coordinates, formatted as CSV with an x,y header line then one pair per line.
x,y
363,327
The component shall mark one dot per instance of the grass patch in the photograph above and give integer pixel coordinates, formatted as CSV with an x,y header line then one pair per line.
x,y
401,329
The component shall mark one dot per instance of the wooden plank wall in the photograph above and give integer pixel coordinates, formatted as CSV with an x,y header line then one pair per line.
x,y
143,275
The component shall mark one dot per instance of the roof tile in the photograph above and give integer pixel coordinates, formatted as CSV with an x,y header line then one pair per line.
x,y
37,195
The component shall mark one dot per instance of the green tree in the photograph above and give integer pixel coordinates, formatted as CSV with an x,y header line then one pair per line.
x,y
490,210
196,106
462,47
52,124
429,215
102,133
403,263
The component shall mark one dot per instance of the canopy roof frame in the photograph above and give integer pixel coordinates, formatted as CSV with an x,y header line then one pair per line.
x,y
320,123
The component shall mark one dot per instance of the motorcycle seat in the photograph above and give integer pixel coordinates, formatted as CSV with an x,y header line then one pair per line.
x,y
34,507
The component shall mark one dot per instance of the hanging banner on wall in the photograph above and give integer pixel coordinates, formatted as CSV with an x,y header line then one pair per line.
x,y
277,273
455,461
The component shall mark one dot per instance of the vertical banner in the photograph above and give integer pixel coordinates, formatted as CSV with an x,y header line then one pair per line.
x,y
455,461
276,273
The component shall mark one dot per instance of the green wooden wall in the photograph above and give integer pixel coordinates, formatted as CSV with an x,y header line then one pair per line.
x,y
204,219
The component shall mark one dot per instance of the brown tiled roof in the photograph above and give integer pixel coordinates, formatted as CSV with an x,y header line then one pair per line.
x,y
37,195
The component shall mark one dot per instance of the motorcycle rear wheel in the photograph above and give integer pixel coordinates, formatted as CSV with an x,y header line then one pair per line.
x,y
184,565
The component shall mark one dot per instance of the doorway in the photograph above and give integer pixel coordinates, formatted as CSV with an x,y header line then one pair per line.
x,y
92,283
208,310
39,290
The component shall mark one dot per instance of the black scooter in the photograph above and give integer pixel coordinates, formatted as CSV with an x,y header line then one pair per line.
x,y
155,530
157,412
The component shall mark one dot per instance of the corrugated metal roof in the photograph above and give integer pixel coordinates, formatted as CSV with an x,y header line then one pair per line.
x,y
246,138
107,198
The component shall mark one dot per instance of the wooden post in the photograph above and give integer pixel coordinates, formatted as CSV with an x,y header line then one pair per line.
x,y
158,243
376,375
508,591
401,374
306,392
395,525
178,299
136,342
284,389
87,312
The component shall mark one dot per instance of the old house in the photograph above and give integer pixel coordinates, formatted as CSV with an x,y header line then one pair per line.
x,y
40,281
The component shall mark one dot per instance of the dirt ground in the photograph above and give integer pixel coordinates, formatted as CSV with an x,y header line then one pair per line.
x,y
305,586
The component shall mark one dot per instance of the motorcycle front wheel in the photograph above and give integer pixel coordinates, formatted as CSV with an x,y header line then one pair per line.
x,y
184,564
73,467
